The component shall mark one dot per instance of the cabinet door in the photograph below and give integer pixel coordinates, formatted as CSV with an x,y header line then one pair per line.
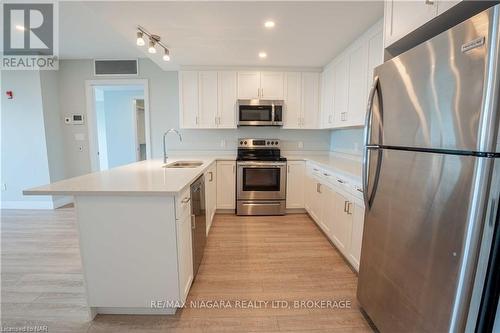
x,y
310,100
293,95
226,185
309,188
358,68
327,210
208,88
358,218
342,224
327,97
184,255
295,184
315,205
248,85
227,99
210,194
271,85
341,90
375,57
189,99
402,17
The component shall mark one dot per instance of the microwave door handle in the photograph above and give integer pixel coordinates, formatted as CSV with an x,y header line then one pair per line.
x,y
272,114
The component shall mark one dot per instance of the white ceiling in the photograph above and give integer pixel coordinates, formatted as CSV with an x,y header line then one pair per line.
x,y
307,34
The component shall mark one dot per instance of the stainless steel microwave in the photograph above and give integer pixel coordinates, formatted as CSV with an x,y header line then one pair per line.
x,y
260,112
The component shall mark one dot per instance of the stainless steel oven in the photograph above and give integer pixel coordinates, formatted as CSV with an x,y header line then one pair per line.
x,y
260,178
260,113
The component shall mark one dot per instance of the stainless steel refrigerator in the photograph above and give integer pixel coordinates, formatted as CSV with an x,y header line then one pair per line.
x,y
431,178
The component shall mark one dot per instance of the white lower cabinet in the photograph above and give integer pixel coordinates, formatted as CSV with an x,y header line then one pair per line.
x,y
184,243
226,184
295,181
338,212
210,194
358,218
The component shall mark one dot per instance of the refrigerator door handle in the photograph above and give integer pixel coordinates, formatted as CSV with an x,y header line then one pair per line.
x,y
367,136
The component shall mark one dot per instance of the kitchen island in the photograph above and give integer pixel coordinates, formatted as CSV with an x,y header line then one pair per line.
x,y
134,227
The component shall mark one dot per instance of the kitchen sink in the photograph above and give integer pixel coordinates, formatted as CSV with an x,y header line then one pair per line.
x,y
184,164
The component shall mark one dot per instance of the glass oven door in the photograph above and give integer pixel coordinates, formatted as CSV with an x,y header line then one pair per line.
x,y
252,115
261,181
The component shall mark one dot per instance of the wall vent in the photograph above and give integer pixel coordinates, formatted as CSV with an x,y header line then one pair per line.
x,y
116,67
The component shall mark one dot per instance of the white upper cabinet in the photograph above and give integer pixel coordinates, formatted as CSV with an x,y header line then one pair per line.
x,y
207,99
340,91
327,97
260,85
293,103
358,68
227,99
346,81
403,17
301,100
310,100
271,85
208,104
248,85
189,101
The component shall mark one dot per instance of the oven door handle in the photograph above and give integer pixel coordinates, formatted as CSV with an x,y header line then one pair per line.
x,y
262,164
261,203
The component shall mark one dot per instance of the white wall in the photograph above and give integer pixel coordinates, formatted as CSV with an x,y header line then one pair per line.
x,y
347,141
164,114
24,151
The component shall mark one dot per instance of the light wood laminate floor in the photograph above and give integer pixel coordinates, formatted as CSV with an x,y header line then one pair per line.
x,y
247,258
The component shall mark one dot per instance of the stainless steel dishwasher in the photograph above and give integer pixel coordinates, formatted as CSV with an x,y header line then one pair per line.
x,y
198,221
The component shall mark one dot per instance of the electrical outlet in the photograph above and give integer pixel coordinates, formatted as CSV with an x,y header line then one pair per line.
x,y
4,187
223,143
300,145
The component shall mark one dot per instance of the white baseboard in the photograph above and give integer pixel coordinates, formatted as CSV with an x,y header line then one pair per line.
x,y
131,311
27,204
46,204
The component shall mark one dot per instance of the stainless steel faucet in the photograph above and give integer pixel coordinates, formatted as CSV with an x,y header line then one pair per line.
x,y
165,143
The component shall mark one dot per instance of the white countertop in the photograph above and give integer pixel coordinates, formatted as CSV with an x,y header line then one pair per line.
x,y
343,164
142,178
151,178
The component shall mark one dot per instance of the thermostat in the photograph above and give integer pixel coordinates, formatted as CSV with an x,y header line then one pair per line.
x,y
77,119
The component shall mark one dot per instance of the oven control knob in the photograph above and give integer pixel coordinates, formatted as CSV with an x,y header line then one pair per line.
x,y
275,142
245,142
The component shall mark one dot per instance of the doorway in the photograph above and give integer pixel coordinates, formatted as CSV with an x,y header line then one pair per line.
x,y
119,128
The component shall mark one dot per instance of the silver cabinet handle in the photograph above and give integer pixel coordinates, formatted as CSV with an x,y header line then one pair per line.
x,y
429,2
345,206
340,181
288,168
349,205
318,188
186,200
211,176
193,221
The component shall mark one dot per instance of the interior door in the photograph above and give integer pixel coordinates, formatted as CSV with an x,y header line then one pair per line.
x,y
413,240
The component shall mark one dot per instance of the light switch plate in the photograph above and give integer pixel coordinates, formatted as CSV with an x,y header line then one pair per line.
x,y
300,145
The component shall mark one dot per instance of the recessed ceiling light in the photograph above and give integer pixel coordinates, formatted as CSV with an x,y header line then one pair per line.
x,y
20,27
262,55
269,24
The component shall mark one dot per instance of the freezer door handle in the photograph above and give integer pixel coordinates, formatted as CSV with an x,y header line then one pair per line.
x,y
369,109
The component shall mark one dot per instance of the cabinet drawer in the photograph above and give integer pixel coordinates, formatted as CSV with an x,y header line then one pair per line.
x,y
183,203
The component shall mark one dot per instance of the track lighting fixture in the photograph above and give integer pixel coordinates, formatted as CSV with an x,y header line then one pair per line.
x,y
154,40
140,39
